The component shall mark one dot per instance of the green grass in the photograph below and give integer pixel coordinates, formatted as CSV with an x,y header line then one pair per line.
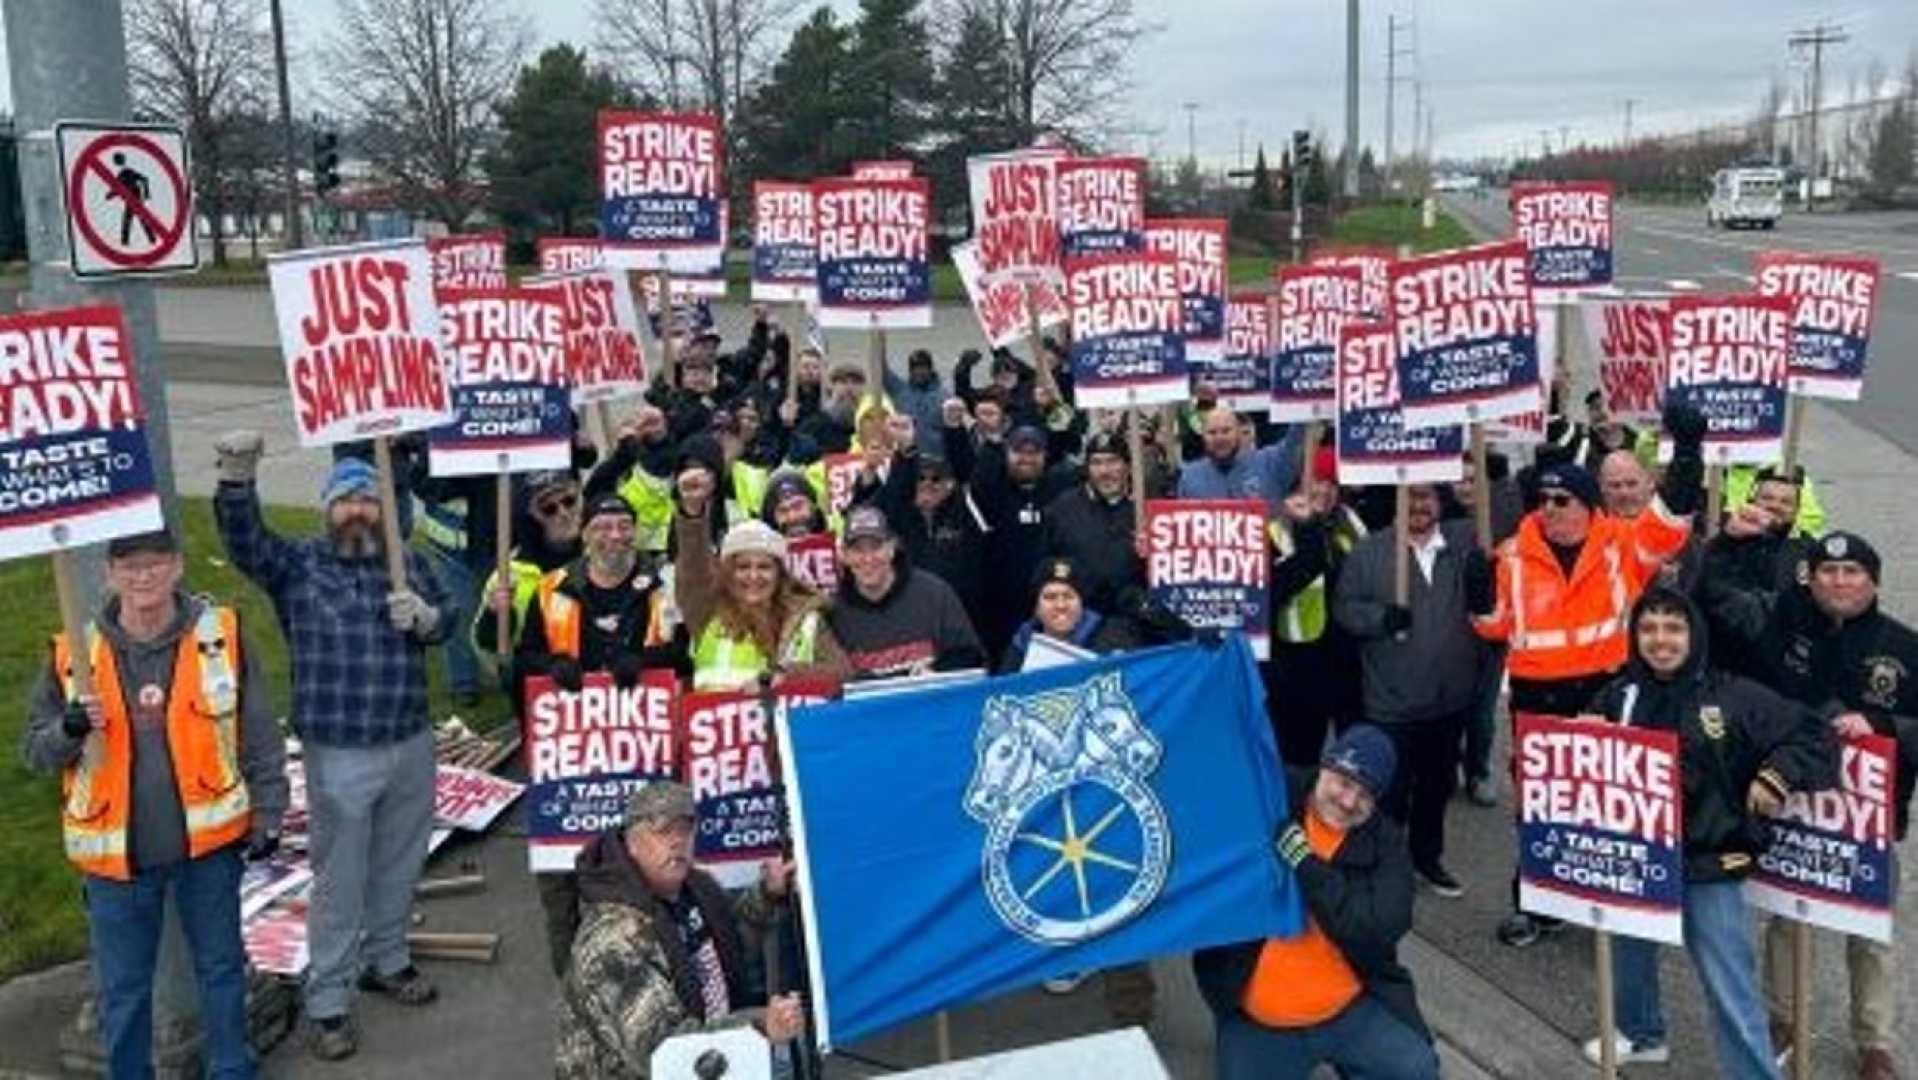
x,y
41,920
1391,224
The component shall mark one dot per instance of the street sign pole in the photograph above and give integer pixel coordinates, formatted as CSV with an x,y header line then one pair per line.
x,y
69,60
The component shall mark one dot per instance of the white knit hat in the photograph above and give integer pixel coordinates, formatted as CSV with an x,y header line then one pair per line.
x,y
753,537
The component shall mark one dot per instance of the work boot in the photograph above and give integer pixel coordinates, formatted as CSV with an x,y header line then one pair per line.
x,y
1439,880
406,986
332,1039
1521,929
1876,1064
1481,792
1627,1052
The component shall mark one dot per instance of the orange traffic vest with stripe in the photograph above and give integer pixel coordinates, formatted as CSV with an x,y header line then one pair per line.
x,y
561,614
203,738
1557,627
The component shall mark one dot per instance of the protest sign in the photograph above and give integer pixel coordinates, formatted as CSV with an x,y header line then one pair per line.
x,y
1829,860
1199,246
360,333
506,356
1128,346
1101,205
1832,299
1466,335
729,758
814,561
565,254
1727,357
1043,652
1600,835
660,190
275,936
586,752
1243,377
470,798
1373,265
1014,213
605,351
1206,562
881,170
784,243
842,475
873,269
1372,444
72,439
1567,230
1629,338
1314,302
1000,303
1528,428
468,261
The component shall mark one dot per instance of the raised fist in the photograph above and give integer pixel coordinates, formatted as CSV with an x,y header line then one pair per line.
x,y
237,455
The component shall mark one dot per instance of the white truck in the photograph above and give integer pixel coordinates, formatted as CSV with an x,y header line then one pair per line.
x,y
1747,196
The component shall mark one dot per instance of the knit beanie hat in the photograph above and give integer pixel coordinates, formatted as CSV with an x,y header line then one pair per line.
x,y
1845,547
1364,754
1574,481
753,537
350,476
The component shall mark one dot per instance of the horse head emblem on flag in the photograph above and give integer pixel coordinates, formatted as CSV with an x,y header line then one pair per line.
x,y
1076,840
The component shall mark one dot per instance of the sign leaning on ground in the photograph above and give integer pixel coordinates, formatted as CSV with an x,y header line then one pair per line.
x,y
127,198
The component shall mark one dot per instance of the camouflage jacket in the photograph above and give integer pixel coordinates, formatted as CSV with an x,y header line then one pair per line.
x,y
625,991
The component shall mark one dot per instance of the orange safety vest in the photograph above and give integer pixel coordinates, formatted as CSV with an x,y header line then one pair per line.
x,y
561,614
203,736
1564,628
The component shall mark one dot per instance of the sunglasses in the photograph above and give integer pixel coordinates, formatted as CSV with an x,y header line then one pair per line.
x,y
549,507
1558,500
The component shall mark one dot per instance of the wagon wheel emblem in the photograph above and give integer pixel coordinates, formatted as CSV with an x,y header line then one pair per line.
x,y
1074,851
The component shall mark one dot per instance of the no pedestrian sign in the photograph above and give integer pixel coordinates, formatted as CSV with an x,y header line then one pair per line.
x,y
128,198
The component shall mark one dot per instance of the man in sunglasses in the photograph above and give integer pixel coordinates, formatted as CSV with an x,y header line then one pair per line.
x,y
1559,592
545,538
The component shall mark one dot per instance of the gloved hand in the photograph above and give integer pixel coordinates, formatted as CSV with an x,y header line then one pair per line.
x,y
626,670
1292,845
1481,594
237,456
408,613
1685,424
77,721
261,846
1398,620
565,671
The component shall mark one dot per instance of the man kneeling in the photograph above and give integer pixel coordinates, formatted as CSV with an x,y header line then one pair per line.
x,y
659,951
1334,993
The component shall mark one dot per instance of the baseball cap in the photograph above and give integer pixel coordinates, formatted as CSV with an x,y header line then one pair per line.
x,y
608,504
1107,442
1027,435
660,800
160,541
866,523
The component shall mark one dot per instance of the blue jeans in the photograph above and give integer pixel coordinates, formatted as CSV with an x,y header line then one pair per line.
x,y
1718,936
1365,1042
124,919
462,595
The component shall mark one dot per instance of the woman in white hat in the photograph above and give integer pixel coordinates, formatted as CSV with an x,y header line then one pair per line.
x,y
748,617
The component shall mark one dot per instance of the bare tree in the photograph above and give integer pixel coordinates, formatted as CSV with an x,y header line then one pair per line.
x,y
418,80
205,65
1066,59
694,54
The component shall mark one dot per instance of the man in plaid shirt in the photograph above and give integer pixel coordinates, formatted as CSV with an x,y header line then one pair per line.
x,y
358,643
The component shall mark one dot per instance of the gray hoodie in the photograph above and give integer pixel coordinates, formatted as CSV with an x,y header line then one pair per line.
x,y
156,828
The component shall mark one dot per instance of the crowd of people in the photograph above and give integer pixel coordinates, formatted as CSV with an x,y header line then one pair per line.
x,y
983,514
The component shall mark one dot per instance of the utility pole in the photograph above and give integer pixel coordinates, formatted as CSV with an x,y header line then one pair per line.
x,y
289,169
1351,99
1393,24
1564,138
1820,35
1629,102
1241,143
1191,132
68,61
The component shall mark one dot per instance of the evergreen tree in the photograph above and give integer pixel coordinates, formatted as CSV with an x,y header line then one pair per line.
x,y
1261,196
542,173
971,115
890,88
794,127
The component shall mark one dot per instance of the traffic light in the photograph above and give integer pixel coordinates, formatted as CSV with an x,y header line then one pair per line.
x,y
326,161
1301,150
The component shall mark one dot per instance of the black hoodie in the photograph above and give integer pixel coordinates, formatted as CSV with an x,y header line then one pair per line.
x,y
1732,733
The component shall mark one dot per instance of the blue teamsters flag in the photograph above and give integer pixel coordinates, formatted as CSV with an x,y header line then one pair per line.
x,y
960,842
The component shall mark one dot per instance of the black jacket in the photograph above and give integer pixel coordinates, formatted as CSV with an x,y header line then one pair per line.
x,y
1767,564
950,543
1097,535
1864,665
1732,732
599,646
1015,521
1362,900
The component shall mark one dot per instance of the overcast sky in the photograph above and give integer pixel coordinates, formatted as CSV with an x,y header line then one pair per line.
x,y
1495,72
